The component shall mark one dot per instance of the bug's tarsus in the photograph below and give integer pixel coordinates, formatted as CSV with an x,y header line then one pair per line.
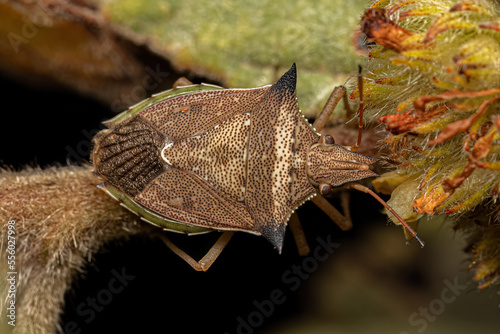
x,y
360,110
367,190
207,260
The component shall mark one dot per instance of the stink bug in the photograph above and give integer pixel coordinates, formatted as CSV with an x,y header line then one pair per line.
x,y
201,158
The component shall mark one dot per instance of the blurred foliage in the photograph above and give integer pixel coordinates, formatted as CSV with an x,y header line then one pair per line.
x,y
250,43
62,44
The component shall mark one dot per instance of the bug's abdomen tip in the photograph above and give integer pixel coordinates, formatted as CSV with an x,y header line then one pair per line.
x,y
275,234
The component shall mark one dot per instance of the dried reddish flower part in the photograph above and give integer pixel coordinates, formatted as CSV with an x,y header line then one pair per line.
x,y
407,121
399,5
426,204
449,185
494,166
440,25
466,5
422,101
494,192
430,172
460,126
490,25
441,87
450,21
383,31
482,146
480,150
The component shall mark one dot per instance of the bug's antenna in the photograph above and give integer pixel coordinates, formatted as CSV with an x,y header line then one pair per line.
x,y
360,110
367,190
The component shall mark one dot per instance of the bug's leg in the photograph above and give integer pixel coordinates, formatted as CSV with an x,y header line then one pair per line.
x,y
360,112
333,100
345,198
347,107
367,190
298,235
182,81
343,221
208,259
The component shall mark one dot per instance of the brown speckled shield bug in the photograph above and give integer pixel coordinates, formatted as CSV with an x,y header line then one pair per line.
x,y
201,158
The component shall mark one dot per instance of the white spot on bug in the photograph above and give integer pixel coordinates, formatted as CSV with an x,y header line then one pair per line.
x,y
164,150
242,198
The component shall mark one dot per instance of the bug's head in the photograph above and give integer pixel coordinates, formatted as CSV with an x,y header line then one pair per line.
x,y
331,165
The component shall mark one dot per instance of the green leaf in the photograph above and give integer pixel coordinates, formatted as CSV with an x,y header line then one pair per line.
x,y
251,43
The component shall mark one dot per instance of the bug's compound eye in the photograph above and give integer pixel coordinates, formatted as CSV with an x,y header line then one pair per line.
x,y
325,189
326,140
329,140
